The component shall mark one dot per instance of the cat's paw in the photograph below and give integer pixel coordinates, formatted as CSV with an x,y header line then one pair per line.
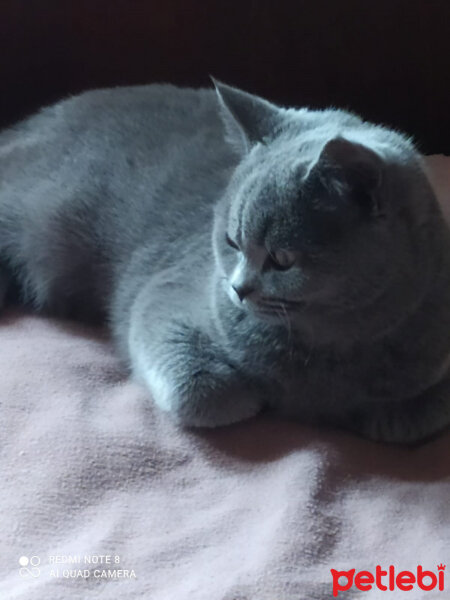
x,y
386,428
189,376
405,422
202,398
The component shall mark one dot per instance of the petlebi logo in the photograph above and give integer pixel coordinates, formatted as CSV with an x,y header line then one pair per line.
x,y
388,579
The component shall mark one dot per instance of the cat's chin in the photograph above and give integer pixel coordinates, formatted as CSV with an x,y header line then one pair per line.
x,y
266,315
260,311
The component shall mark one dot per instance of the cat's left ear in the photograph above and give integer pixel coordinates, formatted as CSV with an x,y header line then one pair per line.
x,y
248,119
358,165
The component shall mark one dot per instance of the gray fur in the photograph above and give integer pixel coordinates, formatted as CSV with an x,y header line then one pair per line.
x,y
118,203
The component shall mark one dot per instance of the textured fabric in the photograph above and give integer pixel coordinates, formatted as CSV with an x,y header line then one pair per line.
x,y
258,511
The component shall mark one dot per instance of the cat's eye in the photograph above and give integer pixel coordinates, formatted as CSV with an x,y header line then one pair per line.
x,y
230,242
282,259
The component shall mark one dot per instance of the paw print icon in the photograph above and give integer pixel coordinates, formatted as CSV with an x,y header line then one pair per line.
x,y
29,566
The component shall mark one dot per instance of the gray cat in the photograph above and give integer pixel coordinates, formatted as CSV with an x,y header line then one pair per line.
x,y
246,257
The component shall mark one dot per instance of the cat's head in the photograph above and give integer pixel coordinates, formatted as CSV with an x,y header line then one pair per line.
x,y
318,226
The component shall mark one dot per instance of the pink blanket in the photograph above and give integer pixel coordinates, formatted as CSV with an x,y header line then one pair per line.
x,y
102,497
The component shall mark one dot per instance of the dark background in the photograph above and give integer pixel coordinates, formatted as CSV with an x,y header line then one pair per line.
x,y
385,59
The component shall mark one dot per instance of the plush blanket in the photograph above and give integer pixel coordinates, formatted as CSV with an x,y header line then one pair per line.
x,y
103,497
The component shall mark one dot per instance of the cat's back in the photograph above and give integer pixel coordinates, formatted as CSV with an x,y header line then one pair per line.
x,y
145,114
116,156
101,123
88,180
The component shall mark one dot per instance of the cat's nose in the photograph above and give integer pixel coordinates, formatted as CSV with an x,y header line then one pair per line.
x,y
243,290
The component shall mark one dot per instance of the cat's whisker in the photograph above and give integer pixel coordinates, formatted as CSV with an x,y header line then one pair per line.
x,y
288,322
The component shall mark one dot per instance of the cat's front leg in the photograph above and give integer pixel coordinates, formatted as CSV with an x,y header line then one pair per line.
x,y
190,377
408,421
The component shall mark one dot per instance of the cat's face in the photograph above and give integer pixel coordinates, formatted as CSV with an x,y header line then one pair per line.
x,y
288,241
302,232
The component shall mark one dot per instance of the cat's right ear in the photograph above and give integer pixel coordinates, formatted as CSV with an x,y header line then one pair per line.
x,y
248,119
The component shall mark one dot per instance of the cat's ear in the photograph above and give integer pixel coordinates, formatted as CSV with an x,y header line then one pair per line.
x,y
359,166
248,119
